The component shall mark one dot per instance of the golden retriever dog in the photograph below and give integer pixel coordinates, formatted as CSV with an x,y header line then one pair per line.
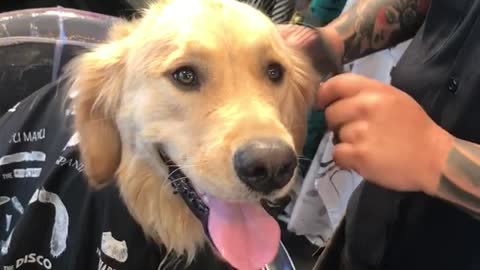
x,y
198,110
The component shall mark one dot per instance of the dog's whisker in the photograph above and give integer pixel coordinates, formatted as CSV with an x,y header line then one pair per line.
x,y
173,172
177,180
188,165
94,121
180,167
169,182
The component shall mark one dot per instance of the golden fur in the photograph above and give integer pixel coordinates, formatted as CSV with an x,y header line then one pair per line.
x,y
126,104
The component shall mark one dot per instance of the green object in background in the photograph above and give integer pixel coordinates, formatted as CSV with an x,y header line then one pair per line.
x,y
316,128
321,12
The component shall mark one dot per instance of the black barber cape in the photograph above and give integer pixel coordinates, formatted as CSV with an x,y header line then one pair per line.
x,y
49,218
406,231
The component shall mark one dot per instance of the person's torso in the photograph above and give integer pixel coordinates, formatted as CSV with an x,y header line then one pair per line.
x,y
440,67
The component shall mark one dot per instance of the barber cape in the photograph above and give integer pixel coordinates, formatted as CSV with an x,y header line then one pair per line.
x,y
322,196
49,217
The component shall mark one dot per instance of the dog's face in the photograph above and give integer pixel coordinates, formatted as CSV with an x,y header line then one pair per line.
x,y
224,96
209,82
219,95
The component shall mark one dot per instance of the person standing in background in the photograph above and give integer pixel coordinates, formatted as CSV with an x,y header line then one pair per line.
x,y
280,11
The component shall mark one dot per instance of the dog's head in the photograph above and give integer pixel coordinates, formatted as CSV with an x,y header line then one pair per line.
x,y
208,82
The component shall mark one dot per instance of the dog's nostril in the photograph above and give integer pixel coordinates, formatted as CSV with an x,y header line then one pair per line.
x,y
285,169
265,164
259,172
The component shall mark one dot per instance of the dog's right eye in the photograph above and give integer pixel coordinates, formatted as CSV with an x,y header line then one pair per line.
x,y
275,72
186,76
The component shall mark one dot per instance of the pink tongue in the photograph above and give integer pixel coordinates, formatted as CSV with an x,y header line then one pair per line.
x,y
246,236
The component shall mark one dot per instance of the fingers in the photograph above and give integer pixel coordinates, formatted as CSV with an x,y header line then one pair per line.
x,y
349,101
285,30
342,86
347,154
343,154
352,157
296,35
320,50
353,133
343,111
314,44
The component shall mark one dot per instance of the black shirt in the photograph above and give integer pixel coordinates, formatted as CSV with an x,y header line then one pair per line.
x,y
392,230
49,217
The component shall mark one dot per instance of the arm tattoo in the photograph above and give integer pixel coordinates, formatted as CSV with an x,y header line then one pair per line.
x,y
460,180
372,25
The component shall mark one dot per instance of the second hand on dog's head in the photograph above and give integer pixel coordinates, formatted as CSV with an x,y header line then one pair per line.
x,y
212,84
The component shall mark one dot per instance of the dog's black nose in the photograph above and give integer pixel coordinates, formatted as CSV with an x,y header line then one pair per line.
x,y
265,164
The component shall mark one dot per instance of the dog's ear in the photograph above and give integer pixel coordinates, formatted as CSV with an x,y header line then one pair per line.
x,y
96,80
303,85
307,77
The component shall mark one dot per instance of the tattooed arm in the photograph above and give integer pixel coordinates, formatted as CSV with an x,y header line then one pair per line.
x,y
373,25
460,178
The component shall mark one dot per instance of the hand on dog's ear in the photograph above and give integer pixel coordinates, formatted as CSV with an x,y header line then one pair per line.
x,y
97,78
316,45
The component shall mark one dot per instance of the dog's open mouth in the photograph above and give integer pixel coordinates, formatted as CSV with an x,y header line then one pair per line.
x,y
244,234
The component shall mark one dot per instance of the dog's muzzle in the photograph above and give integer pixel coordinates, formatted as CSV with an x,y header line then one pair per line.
x,y
183,187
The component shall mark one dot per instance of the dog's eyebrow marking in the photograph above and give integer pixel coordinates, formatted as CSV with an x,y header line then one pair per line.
x,y
200,47
191,53
266,48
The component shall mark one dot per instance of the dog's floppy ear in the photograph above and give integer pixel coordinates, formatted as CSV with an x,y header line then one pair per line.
x,y
96,80
304,82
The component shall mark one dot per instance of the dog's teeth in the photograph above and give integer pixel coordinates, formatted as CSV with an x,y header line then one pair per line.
x,y
205,198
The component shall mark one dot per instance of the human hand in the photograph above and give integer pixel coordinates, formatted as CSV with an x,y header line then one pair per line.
x,y
322,46
384,135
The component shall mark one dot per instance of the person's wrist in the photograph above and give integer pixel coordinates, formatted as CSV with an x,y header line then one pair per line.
x,y
441,143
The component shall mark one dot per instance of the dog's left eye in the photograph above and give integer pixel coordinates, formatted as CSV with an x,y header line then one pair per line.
x,y
275,72
186,76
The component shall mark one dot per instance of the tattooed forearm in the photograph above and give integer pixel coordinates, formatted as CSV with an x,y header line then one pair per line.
x,y
460,180
372,25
